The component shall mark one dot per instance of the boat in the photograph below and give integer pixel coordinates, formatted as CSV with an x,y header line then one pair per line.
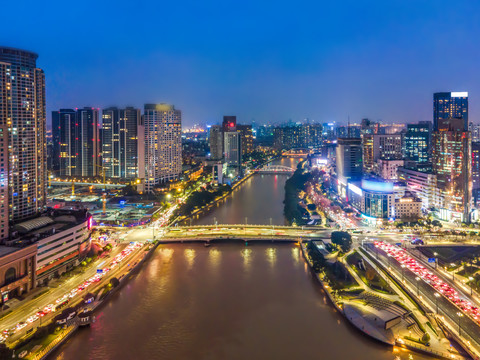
x,y
207,244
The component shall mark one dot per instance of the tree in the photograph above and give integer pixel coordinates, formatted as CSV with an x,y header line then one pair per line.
x,y
5,351
342,239
115,282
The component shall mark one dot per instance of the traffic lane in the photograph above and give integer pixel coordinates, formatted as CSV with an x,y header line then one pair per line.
x,y
35,305
468,325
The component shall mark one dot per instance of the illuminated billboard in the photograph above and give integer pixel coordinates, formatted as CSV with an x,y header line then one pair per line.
x,y
379,186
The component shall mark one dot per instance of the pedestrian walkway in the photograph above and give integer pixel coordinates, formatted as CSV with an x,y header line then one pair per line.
x,y
363,321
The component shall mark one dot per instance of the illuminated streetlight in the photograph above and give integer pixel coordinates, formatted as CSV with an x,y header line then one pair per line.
x,y
403,271
459,328
471,288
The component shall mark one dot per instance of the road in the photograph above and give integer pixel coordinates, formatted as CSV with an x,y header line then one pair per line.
x,y
469,328
31,307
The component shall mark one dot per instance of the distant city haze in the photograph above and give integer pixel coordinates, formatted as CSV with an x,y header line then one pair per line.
x,y
264,61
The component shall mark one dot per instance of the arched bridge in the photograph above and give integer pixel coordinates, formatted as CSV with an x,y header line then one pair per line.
x,y
276,169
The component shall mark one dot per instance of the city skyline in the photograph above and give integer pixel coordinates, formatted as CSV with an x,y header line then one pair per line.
x,y
327,64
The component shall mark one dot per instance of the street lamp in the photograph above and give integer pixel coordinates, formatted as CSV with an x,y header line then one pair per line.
x,y
437,295
459,328
246,225
471,288
436,259
418,290
403,271
453,271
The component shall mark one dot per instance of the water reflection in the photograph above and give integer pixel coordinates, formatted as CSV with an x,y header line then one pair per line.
x,y
190,257
296,254
271,256
247,258
214,257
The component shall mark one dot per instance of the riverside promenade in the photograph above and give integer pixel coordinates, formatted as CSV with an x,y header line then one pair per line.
x,y
370,312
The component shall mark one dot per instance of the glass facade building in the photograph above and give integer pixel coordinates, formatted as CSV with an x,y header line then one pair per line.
x,y
448,105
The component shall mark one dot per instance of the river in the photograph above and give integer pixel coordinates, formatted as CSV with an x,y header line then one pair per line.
x,y
228,301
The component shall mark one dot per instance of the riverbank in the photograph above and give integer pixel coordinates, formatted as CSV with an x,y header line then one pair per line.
x,y
371,323
101,299
186,219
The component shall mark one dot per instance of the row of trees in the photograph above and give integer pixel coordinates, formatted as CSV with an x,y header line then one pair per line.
x,y
295,188
202,197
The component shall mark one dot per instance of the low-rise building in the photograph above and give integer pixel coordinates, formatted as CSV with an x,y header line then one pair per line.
x,y
409,207
17,270
62,239
422,184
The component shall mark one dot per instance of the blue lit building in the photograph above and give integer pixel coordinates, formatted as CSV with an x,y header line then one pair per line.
x,y
417,142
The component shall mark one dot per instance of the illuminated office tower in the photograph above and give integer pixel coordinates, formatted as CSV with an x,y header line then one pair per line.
x,y
163,144
123,143
451,162
417,141
448,105
349,158
22,137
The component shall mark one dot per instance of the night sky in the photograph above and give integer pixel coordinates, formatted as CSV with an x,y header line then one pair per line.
x,y
267,61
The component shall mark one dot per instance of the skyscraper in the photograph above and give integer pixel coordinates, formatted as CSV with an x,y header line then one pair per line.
x,y
349,158
22,137
215,139
377,146
451,161
163,144
233,148
123,143
64,148
447,105
76,142
417,141
246,135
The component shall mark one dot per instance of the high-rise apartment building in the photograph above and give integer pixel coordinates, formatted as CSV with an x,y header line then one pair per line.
x,y
163,144
233,148
246,135
451,161
377,146
215,140
23,153
63,141
447,105
417,141
349,158
123,145
475,130
76,142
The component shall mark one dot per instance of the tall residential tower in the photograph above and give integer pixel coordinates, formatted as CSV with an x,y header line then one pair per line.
x,y
123,145
23,173
163,144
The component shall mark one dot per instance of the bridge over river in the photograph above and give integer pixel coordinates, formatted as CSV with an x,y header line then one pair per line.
x,y
207,233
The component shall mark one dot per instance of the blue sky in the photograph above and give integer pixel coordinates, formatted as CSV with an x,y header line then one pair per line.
x,y
265,60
